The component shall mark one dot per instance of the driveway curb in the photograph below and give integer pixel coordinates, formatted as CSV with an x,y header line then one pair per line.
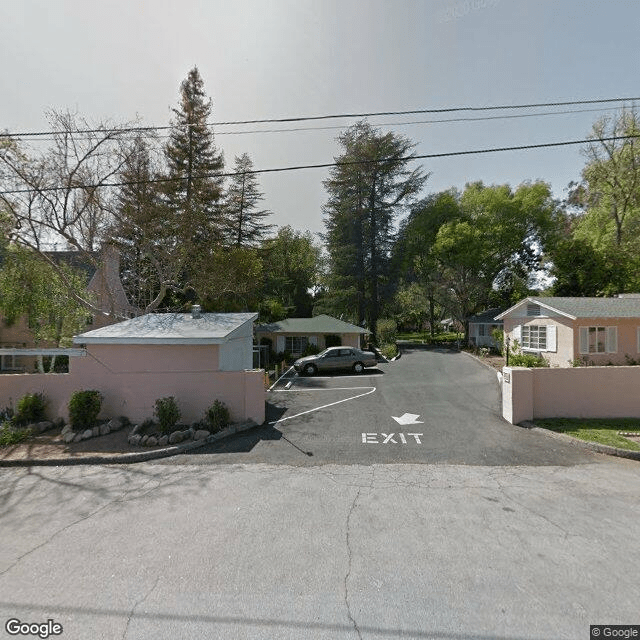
x,y
585,444
130,458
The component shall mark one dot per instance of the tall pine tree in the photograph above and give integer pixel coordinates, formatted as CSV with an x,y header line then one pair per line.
x,y
194,191
368,189
244,221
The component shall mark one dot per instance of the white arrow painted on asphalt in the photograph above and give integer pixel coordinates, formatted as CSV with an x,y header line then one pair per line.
x,y
408,418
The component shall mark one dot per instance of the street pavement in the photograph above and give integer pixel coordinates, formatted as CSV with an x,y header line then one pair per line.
x,y
349,419
480,531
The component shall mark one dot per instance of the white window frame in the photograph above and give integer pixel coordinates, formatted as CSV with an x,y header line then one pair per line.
x,y
531,342
295,341
609,340
550,343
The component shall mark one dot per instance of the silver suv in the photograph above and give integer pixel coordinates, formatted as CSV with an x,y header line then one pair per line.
x,y
348,358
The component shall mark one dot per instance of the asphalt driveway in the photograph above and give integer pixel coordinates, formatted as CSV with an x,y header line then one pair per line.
x,y
448,410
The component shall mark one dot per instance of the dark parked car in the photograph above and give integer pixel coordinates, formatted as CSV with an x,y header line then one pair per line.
x,y
348,358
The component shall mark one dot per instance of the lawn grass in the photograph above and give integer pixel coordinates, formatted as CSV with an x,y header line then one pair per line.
x,y
602,431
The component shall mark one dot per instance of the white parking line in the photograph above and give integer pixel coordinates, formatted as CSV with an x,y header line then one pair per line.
x,y
331,404
280,378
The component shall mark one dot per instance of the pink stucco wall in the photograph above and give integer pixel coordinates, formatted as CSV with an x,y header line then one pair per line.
x,y
581,392
568,338
132,377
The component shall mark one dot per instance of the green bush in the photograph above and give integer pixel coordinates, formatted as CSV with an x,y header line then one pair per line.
x,y
84,408
167,413
30,408
387,330
310,350
10,435
217,416
389,350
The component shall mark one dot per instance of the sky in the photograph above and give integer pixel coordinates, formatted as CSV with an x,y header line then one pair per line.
x,y
122,60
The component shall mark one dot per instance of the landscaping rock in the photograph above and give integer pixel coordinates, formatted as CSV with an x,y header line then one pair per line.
x,y
66,429
69,436
190,433
105,429
78,436
44,426
135,439
175,437
144,440
115,424
95,431
87,434
152,441
163,441
201,434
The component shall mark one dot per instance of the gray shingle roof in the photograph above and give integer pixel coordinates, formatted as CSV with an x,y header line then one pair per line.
x,y
486,317
624,307
169,328
318,324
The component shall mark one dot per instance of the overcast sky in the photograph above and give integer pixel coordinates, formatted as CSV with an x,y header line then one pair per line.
x,y
122,59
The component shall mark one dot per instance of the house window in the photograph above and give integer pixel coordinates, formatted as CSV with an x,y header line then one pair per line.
x,y
295,344
598,340
533,309
534,337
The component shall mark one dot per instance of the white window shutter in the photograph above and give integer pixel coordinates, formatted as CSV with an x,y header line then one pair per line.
x,y
517,333
551,338
612,339
584,339
280,344
313,340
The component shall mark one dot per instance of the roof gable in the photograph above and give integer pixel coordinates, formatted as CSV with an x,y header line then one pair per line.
x,y
574,308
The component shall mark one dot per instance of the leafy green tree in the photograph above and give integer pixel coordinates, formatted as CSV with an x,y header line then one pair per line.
x,y
498,241
30,287
292,262
244,220
367,190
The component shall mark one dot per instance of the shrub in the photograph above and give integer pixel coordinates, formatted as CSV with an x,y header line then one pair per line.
x,y
30,408
217,416
310,350
10,435
387,330
389,350
167,413
84,408
498,337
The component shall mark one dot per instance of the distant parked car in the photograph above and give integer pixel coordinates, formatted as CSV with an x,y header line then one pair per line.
x,y
348,358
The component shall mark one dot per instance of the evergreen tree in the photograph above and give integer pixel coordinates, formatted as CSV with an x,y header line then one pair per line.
x,y
244,221
367,190
194,191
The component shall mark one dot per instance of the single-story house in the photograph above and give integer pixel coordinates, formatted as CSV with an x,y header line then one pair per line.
x,y
481,327
295,334
596,331
196,357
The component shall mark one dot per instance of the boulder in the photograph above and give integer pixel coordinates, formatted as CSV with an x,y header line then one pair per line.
x,y
144,440
68,437
152,441
66,429
163,441
95,431
44,426
105,429
175,437
201,434
78,436
134,439
115,424
87,434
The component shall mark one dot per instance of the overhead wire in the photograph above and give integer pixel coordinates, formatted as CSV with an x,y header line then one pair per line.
x,y
372,114
324,165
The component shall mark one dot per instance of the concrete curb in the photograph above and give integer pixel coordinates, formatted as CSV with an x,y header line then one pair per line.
x,y
584,444
129,458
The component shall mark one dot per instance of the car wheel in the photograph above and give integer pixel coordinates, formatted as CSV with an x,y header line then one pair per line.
x,y
310,369
358,367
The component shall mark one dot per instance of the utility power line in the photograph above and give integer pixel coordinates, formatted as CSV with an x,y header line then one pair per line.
x,y
326,165
141,129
